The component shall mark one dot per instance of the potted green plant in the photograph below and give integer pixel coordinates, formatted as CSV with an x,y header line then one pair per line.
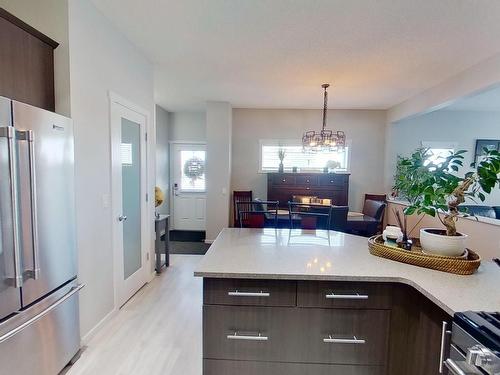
x,y
435,187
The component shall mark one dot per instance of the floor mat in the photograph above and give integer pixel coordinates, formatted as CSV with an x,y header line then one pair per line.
x,y
184,247
187,235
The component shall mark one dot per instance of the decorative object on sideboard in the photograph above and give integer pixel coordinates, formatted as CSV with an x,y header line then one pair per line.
x,y
331,166
159,199
433,187
281,156
159,196
325,139
294,169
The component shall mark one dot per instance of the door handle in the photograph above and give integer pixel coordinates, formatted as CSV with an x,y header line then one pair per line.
x,y
9,133
444,334
29,137
122,218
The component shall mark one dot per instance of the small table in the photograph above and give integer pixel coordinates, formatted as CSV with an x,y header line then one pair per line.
x,y
162,245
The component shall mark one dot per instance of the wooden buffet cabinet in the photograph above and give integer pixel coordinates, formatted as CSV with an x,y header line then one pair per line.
x,y
278,327
282,186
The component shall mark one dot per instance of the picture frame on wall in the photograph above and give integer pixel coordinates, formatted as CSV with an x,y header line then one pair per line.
x,y
489,144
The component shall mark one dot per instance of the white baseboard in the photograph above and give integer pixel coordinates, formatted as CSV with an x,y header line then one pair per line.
x,y
85,339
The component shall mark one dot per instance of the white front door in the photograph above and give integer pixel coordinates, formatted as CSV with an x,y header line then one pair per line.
x,y
188,186
128,147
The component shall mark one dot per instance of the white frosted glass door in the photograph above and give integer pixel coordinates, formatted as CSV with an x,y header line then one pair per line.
x,y
131,196
130,206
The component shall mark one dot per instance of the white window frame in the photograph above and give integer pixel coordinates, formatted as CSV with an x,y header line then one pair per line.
x,y
295,142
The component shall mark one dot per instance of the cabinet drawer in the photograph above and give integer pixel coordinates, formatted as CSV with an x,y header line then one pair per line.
x,y
307,180
339,294
250,333
342,336
281,179
332,180
224,367
247,292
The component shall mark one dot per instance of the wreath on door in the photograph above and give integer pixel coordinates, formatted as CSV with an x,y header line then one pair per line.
x,y
194,168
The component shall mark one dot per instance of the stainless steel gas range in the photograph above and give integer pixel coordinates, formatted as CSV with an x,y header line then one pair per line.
x,y
475,344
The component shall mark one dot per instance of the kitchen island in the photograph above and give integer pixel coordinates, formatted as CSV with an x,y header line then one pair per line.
x,y
317,302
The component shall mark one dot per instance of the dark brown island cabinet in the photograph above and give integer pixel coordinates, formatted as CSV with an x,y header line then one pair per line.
x,y
288,327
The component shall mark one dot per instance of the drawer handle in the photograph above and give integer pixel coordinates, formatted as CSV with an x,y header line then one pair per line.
x,y
256,337
346,296
454,367
237,293
333,340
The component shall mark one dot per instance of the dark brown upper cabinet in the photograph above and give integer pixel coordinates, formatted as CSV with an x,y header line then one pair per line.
x,y
26,63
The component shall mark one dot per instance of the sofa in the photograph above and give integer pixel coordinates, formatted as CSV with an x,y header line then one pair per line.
x,y
492,212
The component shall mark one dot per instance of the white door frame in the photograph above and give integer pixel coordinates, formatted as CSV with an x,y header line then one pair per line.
x,y
171,171
116,105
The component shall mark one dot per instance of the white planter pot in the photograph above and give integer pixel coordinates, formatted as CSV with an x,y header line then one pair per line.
x,y
439,244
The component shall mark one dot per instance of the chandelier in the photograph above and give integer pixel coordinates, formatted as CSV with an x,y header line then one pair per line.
x,y
324,140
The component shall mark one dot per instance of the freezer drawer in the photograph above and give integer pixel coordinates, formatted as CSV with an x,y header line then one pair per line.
x,y
42,339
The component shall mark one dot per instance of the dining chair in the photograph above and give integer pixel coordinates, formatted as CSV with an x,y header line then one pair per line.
x,y
240,196
309,216
376,210
258,214
338,220
376,197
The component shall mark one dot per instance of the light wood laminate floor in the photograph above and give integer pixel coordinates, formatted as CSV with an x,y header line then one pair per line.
x,y
157,332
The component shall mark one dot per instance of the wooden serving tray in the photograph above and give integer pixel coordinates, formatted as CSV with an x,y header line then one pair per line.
x,y
464,265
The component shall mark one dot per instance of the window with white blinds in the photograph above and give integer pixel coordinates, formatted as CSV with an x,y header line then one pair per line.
x,y
296,157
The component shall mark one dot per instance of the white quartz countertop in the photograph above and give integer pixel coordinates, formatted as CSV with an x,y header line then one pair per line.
x,y
321,255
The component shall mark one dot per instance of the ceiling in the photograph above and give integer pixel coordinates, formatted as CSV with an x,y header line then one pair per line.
x,y
277,53
485,101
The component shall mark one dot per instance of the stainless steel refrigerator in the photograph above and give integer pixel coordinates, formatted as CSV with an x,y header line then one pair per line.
x,y
39,322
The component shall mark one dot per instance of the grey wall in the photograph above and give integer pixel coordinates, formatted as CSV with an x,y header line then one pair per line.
x,y
365,130
461,127
219,129
162,157
187,126
101,60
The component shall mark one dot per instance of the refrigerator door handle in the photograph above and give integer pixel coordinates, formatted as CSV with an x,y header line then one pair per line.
x,y
41,314
10,134
28,136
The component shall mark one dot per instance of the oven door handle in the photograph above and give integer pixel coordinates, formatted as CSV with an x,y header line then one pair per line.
x,y
454,367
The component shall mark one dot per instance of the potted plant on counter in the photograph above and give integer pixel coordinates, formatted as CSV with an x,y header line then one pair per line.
x,y
434,188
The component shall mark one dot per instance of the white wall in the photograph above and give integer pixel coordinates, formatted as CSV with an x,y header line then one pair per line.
x,y
101,59
461,127
162,157
187,126
219,132
51,18
473,80
364,128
